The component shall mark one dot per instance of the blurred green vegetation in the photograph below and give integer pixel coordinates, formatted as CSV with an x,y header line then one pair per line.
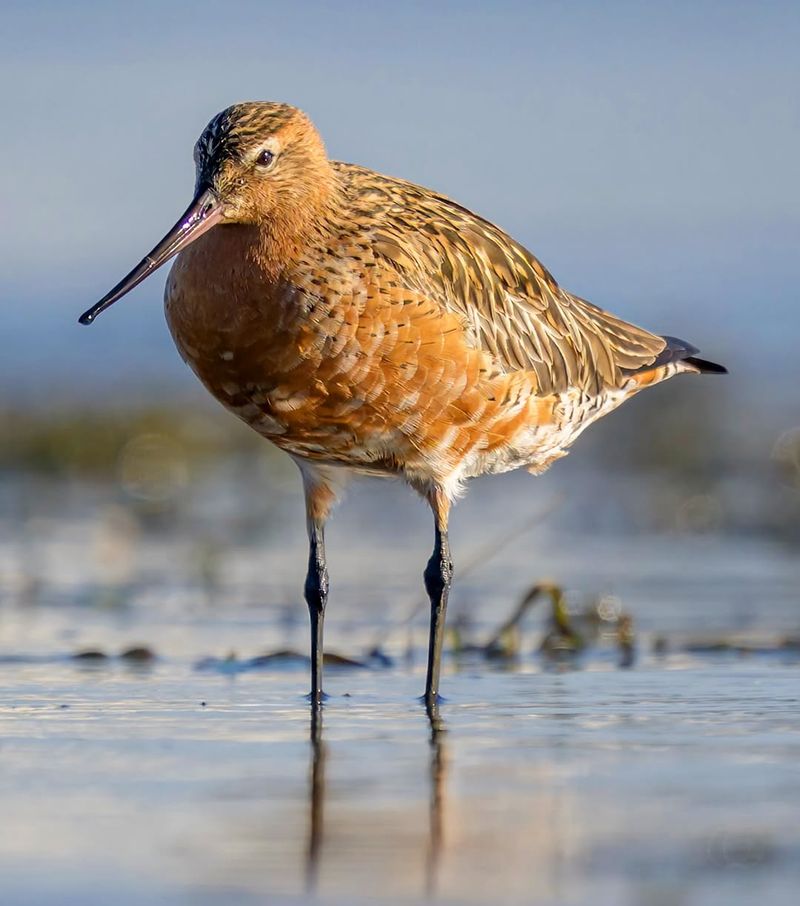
x,y
90,442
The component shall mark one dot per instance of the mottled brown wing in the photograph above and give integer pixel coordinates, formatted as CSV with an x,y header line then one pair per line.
x,y
512,306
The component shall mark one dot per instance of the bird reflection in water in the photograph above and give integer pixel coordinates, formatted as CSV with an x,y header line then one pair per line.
x,y
316,798
436,808
437,774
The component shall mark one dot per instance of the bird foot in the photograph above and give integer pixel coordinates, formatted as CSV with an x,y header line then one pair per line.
x,y
316,698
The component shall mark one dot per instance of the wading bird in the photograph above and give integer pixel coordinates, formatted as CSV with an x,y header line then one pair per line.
x,y
364,324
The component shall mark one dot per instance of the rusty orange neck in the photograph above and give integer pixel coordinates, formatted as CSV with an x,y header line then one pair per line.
x,y
301,221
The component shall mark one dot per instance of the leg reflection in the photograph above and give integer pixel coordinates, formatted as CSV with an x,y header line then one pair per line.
x,y
316,798
436,809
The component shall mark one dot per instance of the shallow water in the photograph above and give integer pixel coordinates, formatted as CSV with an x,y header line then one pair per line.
x,y
186,780
676,783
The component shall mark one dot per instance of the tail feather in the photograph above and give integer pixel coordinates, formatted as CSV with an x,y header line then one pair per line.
x,y
703,366
675,351
680,352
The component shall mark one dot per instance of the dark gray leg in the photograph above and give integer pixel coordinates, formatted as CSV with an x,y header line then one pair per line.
x,y
316,591
438,575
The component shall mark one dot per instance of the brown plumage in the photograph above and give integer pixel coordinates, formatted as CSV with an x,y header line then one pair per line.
x,y
360,321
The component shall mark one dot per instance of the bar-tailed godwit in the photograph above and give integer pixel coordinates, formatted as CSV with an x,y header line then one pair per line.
x,y
364,324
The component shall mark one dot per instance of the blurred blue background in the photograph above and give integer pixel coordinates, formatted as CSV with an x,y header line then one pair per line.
x,y
646,152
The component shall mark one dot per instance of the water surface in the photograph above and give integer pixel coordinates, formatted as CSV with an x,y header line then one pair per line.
x,y
192,778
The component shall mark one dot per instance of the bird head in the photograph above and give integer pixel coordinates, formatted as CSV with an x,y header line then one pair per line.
x,y
262,161
257,163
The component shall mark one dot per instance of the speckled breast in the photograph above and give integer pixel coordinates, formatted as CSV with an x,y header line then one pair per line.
x,y
342,368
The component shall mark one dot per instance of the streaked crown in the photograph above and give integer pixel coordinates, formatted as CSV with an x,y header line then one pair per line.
x,y
235,130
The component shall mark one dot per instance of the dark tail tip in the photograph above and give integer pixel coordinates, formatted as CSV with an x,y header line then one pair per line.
x,y
706,367
680,351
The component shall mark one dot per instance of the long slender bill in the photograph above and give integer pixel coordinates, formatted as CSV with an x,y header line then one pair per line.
x,y
204,212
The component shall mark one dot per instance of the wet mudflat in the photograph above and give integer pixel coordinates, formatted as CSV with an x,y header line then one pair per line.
x,y
678,782
190,776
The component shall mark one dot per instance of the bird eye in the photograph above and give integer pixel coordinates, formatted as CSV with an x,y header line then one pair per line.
x,y
265,158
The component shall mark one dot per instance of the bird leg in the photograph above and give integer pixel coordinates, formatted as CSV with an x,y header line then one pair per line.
x,y
316,593
320,497
438,575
